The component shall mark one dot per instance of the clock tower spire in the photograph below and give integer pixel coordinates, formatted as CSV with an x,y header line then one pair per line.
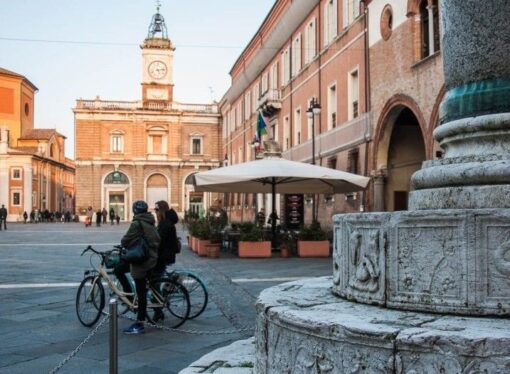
x,y
157,55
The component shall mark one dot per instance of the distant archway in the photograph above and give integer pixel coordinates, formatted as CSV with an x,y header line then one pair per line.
x,y
157,188
400,151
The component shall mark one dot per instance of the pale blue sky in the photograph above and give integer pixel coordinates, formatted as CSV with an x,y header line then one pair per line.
x,y
209,36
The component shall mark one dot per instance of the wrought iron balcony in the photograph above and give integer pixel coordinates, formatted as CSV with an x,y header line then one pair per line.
x,y
270,103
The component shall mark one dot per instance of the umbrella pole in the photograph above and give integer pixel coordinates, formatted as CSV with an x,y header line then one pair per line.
x,y
273,219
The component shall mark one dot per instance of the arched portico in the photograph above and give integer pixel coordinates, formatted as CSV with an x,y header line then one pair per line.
x,y
116,194
400,151
157,187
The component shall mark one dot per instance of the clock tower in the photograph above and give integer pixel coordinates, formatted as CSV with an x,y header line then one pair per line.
x,y
157,56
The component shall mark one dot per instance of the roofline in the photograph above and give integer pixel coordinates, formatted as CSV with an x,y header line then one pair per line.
x,y
16,75
239,59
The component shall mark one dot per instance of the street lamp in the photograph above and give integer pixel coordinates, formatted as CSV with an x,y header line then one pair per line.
x,y
313,110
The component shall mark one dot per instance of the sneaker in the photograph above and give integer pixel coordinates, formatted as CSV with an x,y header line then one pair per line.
x,y
135,328
158,316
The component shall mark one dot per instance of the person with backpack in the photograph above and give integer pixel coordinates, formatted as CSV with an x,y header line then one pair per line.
x,y
141,226
168,246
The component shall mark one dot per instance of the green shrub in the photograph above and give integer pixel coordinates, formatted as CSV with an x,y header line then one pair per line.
x,y
251,232
312,232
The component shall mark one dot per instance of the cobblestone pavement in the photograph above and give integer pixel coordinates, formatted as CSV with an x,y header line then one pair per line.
x,y
40,267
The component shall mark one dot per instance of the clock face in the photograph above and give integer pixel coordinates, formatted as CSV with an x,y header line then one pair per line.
x,y
157,69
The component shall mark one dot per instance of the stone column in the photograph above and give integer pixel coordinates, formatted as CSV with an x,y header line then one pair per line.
x,y
474,126
27,188
379,181
430,10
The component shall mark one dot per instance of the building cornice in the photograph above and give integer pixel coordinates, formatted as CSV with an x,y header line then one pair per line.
x,y
276,39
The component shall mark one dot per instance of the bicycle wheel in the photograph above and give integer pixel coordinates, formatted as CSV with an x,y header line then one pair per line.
x,y
198,295
175,299
90,300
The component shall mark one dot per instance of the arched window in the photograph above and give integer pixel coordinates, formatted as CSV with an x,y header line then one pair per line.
x,y
116,178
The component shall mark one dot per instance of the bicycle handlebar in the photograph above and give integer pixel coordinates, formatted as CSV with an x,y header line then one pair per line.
x,y
117,248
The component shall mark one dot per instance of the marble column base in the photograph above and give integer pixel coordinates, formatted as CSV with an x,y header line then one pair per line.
x,y
453,261
303,328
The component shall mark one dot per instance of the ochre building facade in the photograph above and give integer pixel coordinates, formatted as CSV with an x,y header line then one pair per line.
x,y
35,174
146,149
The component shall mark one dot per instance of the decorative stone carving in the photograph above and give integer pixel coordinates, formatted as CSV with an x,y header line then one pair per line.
x,y
359,258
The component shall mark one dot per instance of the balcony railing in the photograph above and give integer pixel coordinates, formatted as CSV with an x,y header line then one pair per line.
x,y
344,136
270,102
139,105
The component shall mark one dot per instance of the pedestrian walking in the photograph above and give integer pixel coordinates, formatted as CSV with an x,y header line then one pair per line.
x,y
261,217
88,217
3,217
32,216
112,216
104,213
117,218
25,216
99,217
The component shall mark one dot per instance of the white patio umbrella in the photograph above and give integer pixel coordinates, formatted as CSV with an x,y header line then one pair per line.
x,y
278,175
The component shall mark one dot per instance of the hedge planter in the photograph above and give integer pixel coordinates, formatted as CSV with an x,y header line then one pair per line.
x,y
201,247
313,248
213,250
254,249
193,245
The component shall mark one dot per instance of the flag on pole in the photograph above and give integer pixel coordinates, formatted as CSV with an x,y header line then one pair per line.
x,y
261,126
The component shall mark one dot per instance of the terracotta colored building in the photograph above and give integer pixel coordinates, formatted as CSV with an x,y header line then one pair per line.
x,y
146,149
34,172
373,67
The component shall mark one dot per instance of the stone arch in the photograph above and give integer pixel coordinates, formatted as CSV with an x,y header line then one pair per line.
x,y
191,199
385,125
413,6
432,145
399,149
157,186
116,193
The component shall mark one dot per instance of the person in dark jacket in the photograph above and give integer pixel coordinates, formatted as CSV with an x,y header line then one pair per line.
x,y
142,224
112,216
3,217
167,218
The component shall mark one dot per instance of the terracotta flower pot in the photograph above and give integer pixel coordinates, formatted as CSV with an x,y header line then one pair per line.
x,y
284,251
255,249
201,247
313,248
213,250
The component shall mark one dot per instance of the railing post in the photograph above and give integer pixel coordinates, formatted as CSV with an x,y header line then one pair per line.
x,y
114,357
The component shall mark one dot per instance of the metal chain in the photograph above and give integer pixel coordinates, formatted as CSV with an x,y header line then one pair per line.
x,y
196,332
80,346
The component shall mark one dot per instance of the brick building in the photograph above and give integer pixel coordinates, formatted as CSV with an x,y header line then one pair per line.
x,y
146,149
34,172
375,69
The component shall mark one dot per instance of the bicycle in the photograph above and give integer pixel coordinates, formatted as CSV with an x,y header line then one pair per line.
x,y
197,290
163,293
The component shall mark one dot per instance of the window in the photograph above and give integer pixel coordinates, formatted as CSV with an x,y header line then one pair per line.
x,y
247,106
352,161
296,56
157,141
353,110
273,83
196,146
286,133
255,96
265,82
285,66
116,143
330,21
332,120
350,10
310,45
429,18
16,198
16,174
297,126
332,162
274,131
386,23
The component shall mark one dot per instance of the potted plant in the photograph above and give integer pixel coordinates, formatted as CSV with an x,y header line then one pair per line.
x,y
203,234
252,242
217,220
313,241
